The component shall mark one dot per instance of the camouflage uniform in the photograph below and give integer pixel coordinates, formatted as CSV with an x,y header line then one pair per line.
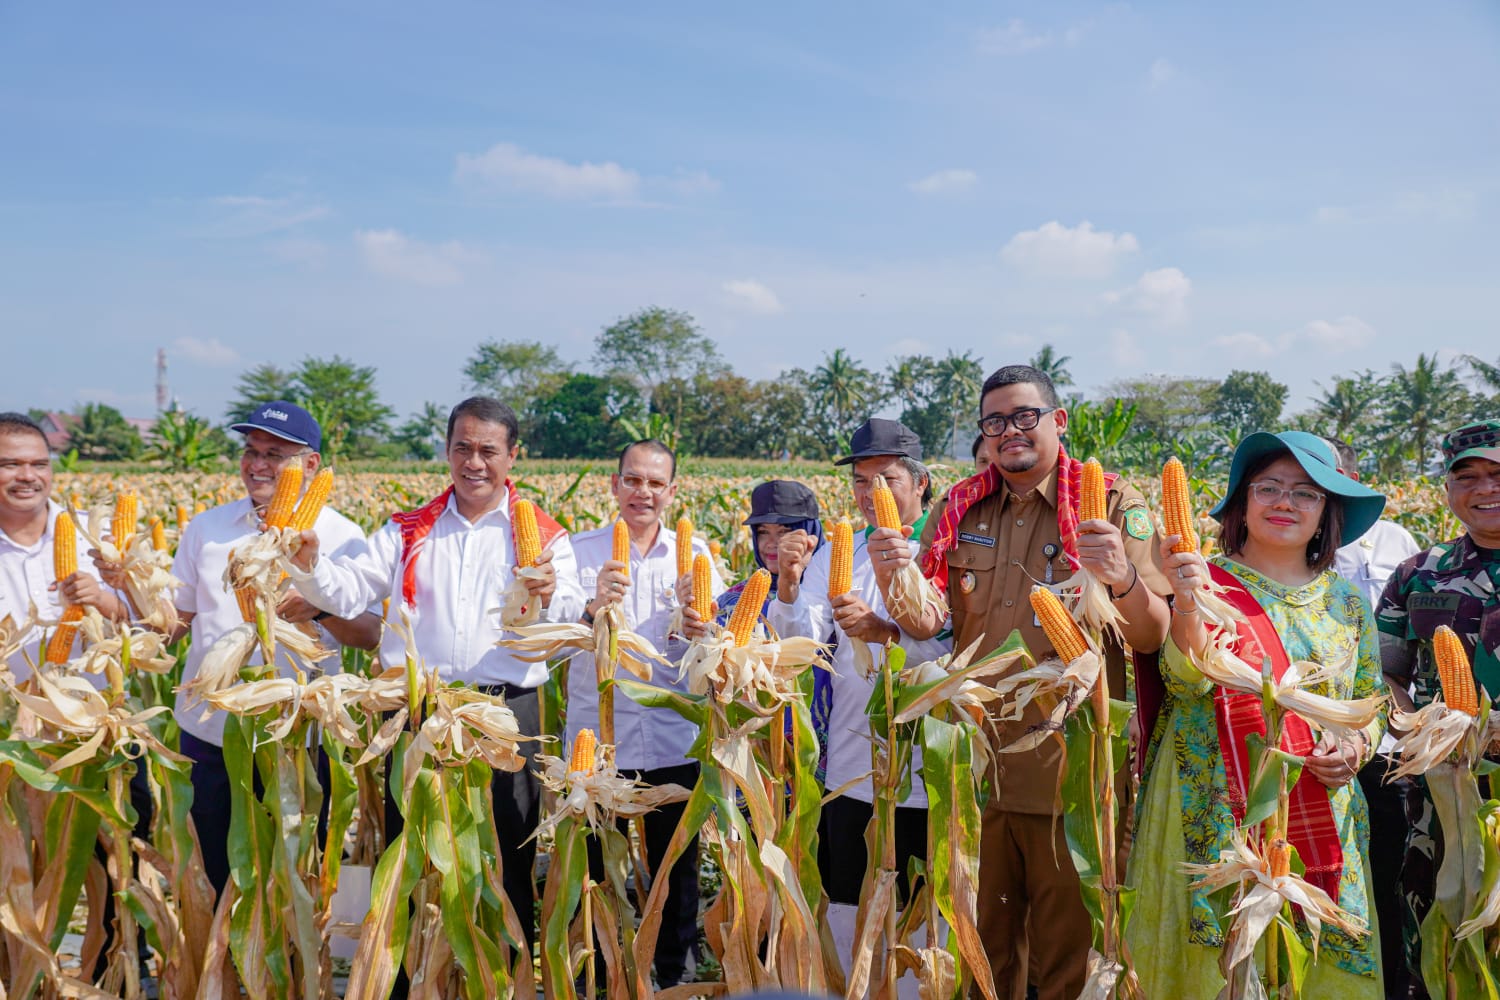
x,y
1456,584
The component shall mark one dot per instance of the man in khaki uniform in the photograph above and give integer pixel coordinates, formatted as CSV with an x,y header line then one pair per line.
x,y
1019,524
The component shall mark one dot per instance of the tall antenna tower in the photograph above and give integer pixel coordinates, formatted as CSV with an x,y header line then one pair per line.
x,y
162,396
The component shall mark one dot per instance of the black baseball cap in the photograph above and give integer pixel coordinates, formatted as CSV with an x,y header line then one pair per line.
x,y
882,437
782,501
287,421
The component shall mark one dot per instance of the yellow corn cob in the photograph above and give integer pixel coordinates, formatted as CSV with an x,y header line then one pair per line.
x,y
245,597
715,548
61,642
311,504
64,547
1453,670
1176,509
747,611
886,515
841,559
123,526
703,585
1061,630
684,545
620,553
1091,496
1279,858
184,515
284,501
158,534
528,539
198,508
584,746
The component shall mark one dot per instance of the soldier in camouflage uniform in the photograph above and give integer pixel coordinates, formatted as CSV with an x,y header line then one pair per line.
x,y
1454,583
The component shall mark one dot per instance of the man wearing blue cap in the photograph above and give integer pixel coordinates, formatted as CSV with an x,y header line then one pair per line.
x,y
1454,583
276,434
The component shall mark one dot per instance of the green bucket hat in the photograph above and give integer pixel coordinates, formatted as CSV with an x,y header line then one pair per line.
x,y
1362,505
1477,440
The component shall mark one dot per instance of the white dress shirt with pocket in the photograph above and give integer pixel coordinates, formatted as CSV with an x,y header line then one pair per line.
x,y
26,571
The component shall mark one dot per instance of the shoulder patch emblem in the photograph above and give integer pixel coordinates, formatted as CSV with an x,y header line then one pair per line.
x,y
1138,523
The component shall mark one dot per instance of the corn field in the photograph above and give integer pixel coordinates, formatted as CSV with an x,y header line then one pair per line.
x,y
73,853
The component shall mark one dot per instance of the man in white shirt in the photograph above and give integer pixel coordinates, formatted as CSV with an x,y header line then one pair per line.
x,y
276,434
802,607
651,744
28,518
448,564
1368,562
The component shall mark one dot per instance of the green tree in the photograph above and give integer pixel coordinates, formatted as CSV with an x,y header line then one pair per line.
x,y
1095,430
1349,406
582,418
261,384
655,346
956,381
1421,402
516,371
1487,374
1054,365
844,392
343,397
423,433
185,443
1248,401
101,433
1167,406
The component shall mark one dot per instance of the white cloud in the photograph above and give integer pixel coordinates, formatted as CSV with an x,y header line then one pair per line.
x,y
1343,334
242,216
951,181
752,295
1247,345
505,166
1161,295
392,254
1125,350
209,352
1081,252
1013,39
1161,73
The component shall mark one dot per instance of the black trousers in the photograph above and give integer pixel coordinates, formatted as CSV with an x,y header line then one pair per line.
x,y
679,923
518,800
841,846
1388,833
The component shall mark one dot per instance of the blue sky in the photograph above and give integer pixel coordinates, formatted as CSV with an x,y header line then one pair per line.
x,y
1183,188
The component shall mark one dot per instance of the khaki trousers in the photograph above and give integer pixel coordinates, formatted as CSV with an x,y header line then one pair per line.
x,y
1027,882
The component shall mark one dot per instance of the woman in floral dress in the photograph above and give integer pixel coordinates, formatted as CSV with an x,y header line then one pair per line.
x,y
1285,512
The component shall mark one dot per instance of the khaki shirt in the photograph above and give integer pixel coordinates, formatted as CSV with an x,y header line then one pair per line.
x,y
1001,551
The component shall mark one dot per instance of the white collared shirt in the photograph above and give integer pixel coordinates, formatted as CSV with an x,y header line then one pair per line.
x,y
202,557
848,726
26,571
461,574
645,738
1368,562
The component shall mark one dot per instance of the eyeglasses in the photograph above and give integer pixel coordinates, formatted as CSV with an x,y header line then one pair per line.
x,y
1270,494
656,487
274,457
1022,420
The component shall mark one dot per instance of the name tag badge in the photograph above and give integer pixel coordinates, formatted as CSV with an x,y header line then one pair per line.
x,y
1433,602
969,536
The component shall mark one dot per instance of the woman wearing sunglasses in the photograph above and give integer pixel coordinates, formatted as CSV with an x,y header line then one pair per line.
x,y
1285,513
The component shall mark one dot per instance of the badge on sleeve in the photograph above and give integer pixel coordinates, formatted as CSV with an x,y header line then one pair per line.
x,y
1138,523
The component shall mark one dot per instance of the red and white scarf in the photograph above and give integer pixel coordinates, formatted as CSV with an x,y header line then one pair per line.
x,y
416,524
969,492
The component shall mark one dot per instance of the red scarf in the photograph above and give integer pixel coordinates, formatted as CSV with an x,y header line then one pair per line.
x,y
1311,827
968,492
415,525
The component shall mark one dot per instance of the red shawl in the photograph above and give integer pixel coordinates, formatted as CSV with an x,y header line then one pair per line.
x,y
968,492
415,525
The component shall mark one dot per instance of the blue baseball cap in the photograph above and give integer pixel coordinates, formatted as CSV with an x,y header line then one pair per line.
x,y
287,421
1362,505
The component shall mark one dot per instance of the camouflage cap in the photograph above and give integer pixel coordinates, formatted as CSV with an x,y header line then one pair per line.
x,y
1480,439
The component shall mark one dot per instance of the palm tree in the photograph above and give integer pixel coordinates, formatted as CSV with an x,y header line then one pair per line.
x,y
184,442
1488,374
908,377
1421,400
1053,365
956,381
1345,408
845,389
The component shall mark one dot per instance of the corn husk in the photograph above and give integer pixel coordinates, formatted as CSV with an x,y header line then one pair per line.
x,y
1433,734
632,651
600,795
766,664
517,606
148,571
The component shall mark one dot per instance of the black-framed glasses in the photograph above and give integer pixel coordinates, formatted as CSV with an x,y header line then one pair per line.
x,y
994,425
1269,495
654,486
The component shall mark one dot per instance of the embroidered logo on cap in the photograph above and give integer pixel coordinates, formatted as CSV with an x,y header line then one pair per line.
x,y
274,414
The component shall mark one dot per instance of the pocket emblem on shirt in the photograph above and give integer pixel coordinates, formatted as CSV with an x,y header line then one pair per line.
x,y
966,582
969,536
